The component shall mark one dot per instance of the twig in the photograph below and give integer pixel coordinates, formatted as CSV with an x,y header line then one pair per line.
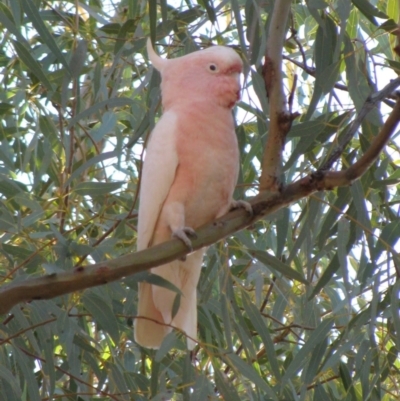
x,y
292,92
369,105
99,391
346,177
311,71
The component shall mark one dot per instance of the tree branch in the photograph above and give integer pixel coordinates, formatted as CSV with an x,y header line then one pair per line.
x,y
369,105
264,204
280,119
345,177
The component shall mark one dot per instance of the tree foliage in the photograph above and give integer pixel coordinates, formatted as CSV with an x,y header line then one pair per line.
x,y
302,305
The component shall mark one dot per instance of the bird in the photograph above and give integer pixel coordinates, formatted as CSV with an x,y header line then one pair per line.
x,y
189,174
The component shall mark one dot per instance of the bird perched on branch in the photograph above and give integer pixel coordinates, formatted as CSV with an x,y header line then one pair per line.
x,y
189,175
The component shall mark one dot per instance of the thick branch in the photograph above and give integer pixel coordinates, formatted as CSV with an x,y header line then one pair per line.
x,y
280,119
265,203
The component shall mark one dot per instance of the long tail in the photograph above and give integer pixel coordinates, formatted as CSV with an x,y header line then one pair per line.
x,y
156,303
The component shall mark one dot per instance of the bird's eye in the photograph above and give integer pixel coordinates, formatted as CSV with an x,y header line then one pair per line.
x,y
212,67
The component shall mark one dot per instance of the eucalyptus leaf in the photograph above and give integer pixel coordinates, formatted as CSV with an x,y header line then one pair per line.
x,y
102,313
280,267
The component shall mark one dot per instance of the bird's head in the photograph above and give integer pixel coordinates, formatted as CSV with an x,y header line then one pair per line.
x,y
211,75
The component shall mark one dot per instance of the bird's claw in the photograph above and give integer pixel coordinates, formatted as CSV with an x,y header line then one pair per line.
x,y
236,204
183,234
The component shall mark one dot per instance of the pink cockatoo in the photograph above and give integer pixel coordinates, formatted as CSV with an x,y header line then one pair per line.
x,y
188,178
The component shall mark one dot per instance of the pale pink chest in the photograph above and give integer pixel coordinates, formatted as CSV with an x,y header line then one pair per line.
x,y
208,168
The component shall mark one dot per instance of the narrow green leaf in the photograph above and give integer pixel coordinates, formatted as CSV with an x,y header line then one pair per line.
x,y
319,392
315,361
331,217
117,380
176,305
259,88
111,29
225,387
113,102
27,369
202,389
49,130
326,68
154,381
129,26
389,25
78,58
6,19
10,188
155,279
33,14
94,160
330,74
345,376
85,345
188,377
190,15
394,309
248,371
332,268
5,107
170,341
257,320
24,324
358,194
226,322
339,348
357,78
164,28
313,132
6,375
389,235
25,55
308,129
313,341
392,358
45,337
393,9
164,10
325,44
95,189
282,229
254,38
102,313
139,130
275,264
239,324
153,20
359,202
342,239
369,10
108,123
208,5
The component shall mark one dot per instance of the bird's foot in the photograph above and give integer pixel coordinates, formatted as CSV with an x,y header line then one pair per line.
x,y
236,204
183,234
